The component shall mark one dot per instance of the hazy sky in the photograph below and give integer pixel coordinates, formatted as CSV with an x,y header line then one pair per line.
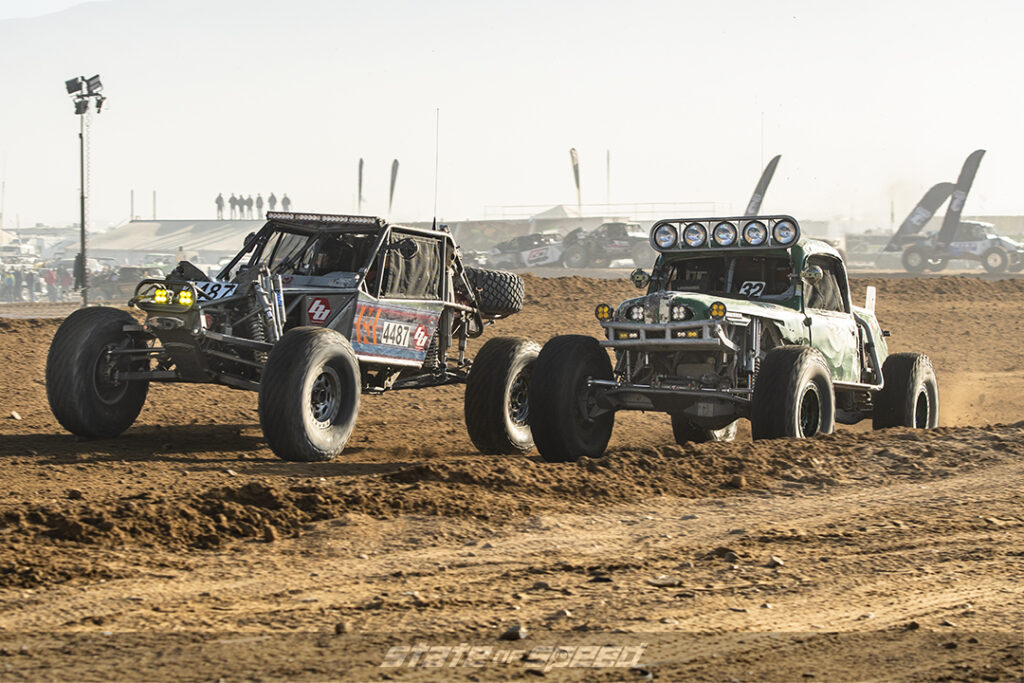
x,y
864,100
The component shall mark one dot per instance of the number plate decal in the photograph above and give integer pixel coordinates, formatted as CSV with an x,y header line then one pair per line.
x,y
752,288
210,291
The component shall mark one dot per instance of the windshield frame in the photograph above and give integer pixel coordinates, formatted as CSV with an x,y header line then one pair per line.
x,y
661,279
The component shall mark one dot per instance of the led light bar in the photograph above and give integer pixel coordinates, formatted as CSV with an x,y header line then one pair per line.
x,y
725,233
322,218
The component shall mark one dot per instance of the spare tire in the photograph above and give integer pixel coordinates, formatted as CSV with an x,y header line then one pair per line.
x,y
498,292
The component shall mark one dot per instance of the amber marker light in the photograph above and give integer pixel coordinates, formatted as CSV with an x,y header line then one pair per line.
x,y
603,312
717,310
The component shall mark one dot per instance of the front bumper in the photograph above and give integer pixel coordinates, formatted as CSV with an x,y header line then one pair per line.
x,y
699,335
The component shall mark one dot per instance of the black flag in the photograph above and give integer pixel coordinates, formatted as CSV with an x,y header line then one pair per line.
x,y
956,202
359,193
754,205
922,213
394,177
576,175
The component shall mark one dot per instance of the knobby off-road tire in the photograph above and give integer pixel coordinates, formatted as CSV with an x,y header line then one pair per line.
x,y
686,431
559,403
793,396
83,394
309,395
498,292
497,405
910,394
995,260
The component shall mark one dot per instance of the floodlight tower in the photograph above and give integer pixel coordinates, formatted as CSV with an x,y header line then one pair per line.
x,y
82,91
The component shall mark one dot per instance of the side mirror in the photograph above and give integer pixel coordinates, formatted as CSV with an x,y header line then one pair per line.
x,y
812,275
640,278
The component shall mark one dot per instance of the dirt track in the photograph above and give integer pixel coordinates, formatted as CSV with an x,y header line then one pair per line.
x,y
186,548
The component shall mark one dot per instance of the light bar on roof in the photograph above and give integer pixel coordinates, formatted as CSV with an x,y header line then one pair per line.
x,y
323,218
724,233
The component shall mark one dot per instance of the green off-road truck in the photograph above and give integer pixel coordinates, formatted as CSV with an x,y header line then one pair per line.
x,y
314,311
743,318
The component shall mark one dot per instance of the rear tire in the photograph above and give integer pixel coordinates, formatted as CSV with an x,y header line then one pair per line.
x,y
686,431
793,395
909,395
563,431
81,390
309,395
575,257
498,292
497,406
936,265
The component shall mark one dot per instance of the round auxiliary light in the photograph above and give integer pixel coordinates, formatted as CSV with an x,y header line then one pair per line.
x,y
665,237
784,232
679,312
725,234
603,312
695,234
755,233
635,313
717,310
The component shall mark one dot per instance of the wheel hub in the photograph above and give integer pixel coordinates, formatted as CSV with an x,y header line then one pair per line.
x,y
518,399
810,411
108,388
325,397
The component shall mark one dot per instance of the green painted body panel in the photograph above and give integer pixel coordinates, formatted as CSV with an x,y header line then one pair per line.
x,y
835,334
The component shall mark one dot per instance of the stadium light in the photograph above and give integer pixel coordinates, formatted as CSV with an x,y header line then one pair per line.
x,y
93,86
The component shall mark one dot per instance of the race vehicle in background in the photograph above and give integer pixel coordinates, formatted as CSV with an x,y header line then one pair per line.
x,y
606,243
526,251
742,318
956,239
313,311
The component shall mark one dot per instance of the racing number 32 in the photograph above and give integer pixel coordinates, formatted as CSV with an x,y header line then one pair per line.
x,y
752,288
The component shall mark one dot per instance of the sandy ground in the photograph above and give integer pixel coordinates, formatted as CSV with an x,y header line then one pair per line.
x,y
185,550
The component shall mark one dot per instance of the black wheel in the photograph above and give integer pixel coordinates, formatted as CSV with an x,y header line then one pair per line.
x,y
685,431
574,257
497,403
562,411
915,260
498,292
793,395
995,260
909,395
937,264
309,394
81,387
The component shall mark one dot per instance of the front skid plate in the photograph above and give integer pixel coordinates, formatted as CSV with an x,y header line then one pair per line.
x,y
700,404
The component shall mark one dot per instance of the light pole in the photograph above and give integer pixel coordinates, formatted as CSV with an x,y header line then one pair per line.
x,y
83,90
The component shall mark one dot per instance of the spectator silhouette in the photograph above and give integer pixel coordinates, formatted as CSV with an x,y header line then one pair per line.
x,y
259,206
271,202
285,202
79,271
248,206
219,201
234,205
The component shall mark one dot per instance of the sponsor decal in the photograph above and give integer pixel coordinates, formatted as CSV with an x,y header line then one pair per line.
x,y
366,325
420,338
319,310
536,255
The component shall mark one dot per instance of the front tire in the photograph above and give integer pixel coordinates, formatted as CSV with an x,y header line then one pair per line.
x,y
909,395
83,394
793,395
995,261
915,260
309,395
562,417
685,431
497,406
